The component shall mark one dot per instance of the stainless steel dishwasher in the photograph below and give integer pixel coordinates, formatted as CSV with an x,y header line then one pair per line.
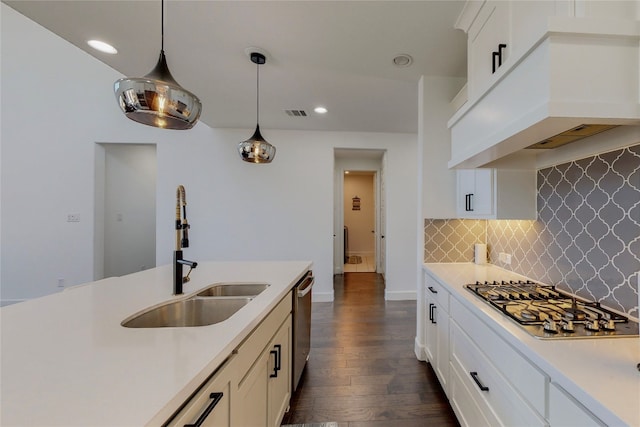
x,y
301,325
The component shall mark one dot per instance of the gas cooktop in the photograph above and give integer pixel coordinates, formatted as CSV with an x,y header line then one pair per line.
x,y
549,313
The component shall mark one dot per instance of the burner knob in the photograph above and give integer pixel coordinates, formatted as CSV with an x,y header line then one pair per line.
x,y
550,325
609,324
567,326
592,325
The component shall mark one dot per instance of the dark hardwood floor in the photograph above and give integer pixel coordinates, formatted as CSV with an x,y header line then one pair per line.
x,y
362,370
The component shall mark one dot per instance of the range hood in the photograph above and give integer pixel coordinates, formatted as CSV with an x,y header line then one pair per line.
x,y
571,135
579,79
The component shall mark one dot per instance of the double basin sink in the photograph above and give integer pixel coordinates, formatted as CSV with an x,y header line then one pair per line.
x,y
213,304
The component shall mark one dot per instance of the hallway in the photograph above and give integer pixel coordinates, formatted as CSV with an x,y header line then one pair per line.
x,y
362,370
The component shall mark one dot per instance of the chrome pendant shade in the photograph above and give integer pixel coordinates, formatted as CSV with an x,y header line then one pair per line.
x,y
256,149
157,99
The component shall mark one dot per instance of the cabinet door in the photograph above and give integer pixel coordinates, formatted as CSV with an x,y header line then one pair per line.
x,y
251,409
442,348
279,368
488,45
475,193
430,330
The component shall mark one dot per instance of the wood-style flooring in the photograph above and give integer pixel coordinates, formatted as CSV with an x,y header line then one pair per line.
x,y
362,370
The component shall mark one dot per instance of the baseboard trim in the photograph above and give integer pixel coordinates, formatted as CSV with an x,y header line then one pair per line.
x,y
419,350
400,295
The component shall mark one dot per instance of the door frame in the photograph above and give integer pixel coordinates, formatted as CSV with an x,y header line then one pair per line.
x,y
370,161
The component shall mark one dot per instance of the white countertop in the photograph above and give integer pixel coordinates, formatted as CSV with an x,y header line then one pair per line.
x,y
600,373
67,361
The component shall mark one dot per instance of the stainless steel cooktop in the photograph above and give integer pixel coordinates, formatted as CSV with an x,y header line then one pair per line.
x,y
549,313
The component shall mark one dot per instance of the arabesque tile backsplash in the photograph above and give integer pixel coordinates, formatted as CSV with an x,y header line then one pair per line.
x,y
586,239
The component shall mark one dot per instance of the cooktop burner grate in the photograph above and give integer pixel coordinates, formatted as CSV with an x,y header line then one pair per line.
x,y
546,312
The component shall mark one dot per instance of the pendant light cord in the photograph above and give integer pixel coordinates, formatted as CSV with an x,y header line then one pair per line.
x,y
162,26
257,92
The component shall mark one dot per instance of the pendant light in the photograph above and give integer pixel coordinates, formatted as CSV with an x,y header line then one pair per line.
x,y
157,99
256,149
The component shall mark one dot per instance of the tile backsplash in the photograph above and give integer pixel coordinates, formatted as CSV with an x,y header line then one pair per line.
x,y
586,239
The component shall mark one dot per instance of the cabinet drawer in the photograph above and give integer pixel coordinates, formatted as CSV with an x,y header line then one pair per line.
x,y
467,408
487,385
213,409
437,291
564,410
521,374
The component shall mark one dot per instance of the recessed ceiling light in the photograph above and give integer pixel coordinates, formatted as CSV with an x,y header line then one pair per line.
x,y
320,110
402,60
346,172
102,46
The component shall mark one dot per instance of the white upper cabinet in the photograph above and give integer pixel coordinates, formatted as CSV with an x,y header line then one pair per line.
x,y
496,194
539,68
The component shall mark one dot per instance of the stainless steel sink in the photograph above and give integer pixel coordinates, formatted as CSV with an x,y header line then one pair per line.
x,y
189,312
233,289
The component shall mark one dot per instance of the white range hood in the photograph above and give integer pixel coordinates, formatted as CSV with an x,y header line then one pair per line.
x,y
580,71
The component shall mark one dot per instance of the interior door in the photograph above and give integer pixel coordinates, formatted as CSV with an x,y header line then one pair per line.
x,y
382,247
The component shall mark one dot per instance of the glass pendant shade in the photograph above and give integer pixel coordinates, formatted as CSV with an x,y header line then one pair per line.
x,y
256,149
157,99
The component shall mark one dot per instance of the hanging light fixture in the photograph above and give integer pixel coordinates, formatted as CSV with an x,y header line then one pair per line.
x,y
256,149
157,99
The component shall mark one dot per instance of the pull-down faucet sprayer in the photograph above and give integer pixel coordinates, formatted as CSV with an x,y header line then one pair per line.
x,y
182,241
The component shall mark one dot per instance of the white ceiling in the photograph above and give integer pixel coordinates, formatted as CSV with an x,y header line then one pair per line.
x,y
332,53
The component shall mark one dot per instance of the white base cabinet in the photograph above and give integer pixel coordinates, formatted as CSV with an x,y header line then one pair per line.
x,y
489,382
437,328
253,385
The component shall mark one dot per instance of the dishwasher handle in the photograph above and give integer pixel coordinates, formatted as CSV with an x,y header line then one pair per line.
x,y
303,291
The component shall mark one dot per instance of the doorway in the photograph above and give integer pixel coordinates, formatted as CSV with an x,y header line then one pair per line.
x,y
359,210
125,223
351,241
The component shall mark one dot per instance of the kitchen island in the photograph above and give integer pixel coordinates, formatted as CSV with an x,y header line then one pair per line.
x,y
597,375
67,361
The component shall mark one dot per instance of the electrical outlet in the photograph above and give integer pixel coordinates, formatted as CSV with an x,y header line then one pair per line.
x,y
61,282
504,258
73,217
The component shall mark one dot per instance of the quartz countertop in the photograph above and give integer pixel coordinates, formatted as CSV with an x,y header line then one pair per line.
x,y
600,373
67,361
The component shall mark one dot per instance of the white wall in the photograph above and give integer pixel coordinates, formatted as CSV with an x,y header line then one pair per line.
x,y
129,208
58,104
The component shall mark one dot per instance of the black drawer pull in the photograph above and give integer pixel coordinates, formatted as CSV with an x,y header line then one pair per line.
x,y
274,374
215,399
432,313
482,387
433,291
277,360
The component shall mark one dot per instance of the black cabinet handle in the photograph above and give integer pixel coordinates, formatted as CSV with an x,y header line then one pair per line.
x,y
497,55
433,291
215,399
432,314
277,360
482,387
468,202
500,47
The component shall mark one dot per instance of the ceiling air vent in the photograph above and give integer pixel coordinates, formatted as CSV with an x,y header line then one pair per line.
x,y
296,113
